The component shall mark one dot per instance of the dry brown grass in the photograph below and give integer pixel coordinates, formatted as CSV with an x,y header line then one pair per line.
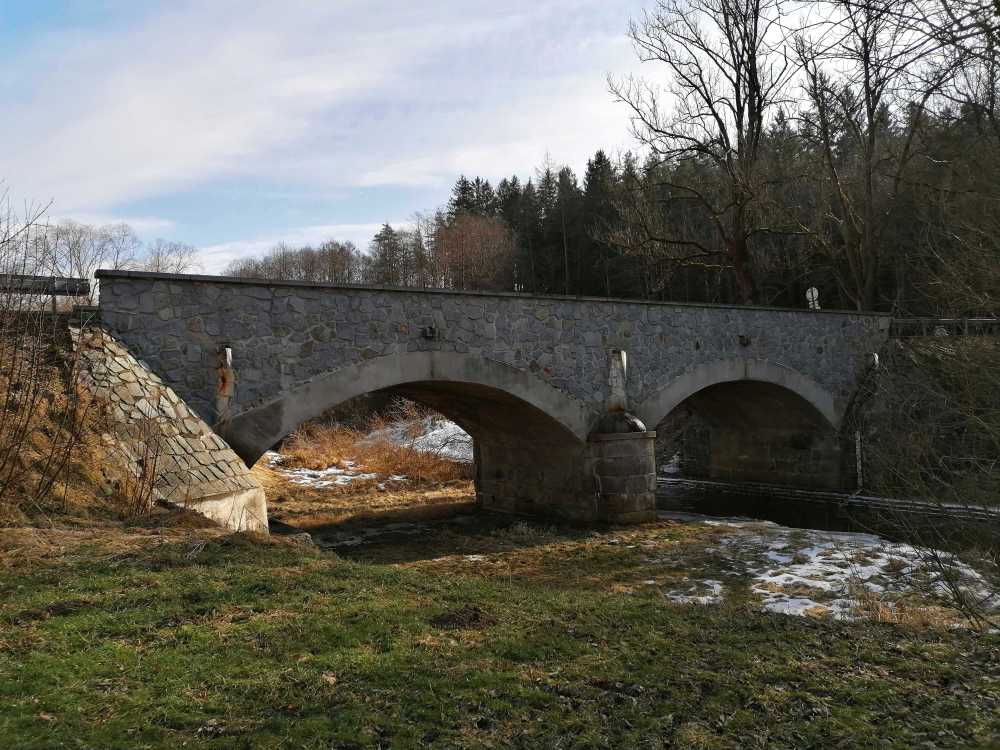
x,y
309,507
319,446
919,616
111,540
59,463
62,464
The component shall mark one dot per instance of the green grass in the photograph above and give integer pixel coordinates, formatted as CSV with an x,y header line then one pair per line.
x,y
273,646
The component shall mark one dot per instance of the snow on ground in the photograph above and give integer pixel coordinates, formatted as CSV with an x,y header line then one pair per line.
x,y
427,435
791,571
345,473
806,571
699,592
430,435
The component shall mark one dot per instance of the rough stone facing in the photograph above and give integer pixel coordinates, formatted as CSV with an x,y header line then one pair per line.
x,y
284,335
194,467
624,469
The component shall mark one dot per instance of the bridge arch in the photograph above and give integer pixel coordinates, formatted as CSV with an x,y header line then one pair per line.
x,y
655,408
450,382
742,420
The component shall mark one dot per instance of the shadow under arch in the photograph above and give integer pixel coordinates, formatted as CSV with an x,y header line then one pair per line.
x,y
655,408
744,420
481,395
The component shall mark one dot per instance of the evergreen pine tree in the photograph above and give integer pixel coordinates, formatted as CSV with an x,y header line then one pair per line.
x,y
464,197
598,215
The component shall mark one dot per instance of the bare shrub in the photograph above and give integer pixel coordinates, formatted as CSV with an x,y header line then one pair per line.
x,y
42,413
929,417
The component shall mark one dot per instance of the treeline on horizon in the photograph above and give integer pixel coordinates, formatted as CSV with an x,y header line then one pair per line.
x,y
858,155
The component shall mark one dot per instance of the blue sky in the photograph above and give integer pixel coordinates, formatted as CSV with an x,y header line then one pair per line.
x,y
234,125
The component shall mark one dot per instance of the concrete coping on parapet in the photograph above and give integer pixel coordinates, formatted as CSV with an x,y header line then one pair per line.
x,y
604,437
235,280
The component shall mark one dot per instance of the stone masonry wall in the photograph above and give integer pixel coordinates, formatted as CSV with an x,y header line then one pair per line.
x,y
283,335
149,422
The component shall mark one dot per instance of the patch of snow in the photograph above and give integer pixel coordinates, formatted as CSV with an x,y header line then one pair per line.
x,y
430,435
700,592
778,558
798,605
672,467
332,476
806,571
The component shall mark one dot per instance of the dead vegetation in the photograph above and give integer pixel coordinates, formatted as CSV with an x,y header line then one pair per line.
x,y
918,616
56,460
309,507
319,445
49,447
928,416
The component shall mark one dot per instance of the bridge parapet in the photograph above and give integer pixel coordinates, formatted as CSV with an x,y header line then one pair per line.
x,y
922,327
285,334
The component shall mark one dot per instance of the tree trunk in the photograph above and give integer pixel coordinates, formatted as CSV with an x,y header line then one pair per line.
x,y
739,255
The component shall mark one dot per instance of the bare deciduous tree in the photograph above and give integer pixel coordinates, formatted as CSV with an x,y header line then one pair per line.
x,y
475,252
729,69
867,105
332,262
930,420
170,257
41,412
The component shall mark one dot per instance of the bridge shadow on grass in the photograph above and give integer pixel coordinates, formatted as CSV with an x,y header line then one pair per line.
x,y
458,539
427,532
442,528
505,550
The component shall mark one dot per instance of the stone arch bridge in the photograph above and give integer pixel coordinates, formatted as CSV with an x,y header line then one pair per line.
x,y
561,395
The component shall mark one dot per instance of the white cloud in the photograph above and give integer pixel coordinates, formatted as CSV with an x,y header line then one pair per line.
x,y
196,94
322,96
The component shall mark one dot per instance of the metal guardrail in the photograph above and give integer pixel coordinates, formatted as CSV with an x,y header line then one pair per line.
x,y
856,500
55,286
920,327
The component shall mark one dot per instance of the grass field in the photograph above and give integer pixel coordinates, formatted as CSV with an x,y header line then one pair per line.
x,y
487,633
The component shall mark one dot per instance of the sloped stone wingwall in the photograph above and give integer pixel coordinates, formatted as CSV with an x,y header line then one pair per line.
x,y
160,438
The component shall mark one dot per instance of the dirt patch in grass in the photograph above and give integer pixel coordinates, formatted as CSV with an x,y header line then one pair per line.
x,y
467,617
55,609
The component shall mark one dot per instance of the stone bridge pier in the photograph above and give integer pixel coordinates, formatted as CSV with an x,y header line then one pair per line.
x,y
562,396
